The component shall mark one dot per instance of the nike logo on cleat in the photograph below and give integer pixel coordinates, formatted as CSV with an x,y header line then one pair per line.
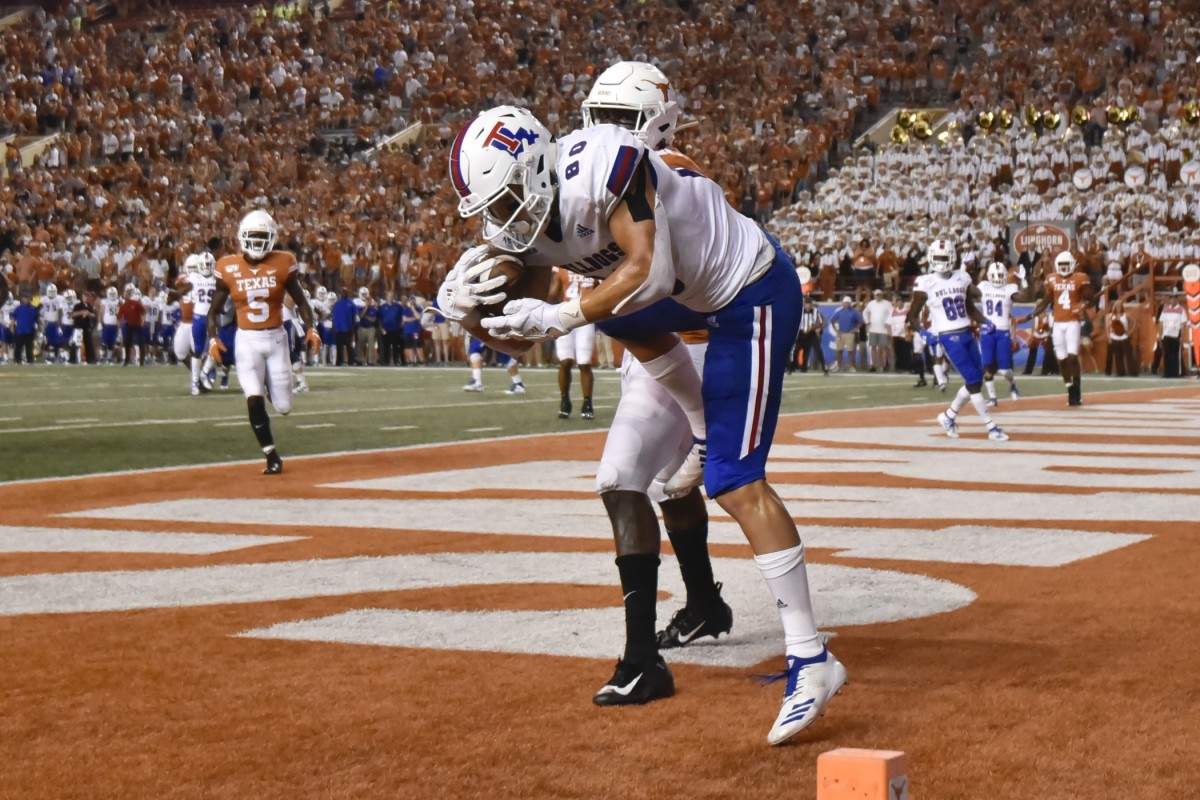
x,y
687,637
625,690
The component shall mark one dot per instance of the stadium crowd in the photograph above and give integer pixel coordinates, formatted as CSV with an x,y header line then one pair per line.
x,y
162,111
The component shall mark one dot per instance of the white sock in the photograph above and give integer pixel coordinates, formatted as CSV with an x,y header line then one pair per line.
x,y
959,402
195,369
981,407
1008,376
676,373
477,374
991,389
787,578
515,379
939,373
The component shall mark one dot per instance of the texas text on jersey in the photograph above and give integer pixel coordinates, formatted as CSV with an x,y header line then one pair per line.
x,y
258,287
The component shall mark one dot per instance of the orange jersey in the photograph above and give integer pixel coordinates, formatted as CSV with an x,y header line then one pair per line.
x,y
258,287
574,286
1066,295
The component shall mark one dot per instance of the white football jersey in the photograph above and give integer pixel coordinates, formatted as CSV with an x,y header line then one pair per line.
x,y
153,309
203,288
997,304
714,249
6,311
946,298
108,311
52,310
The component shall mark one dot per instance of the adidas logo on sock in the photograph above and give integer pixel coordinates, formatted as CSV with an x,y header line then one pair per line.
x,y
780,604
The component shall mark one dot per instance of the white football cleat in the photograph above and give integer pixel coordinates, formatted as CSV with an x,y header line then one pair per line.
x,y
997,435
948,425
516,388
992,402
473,386
810,687
690,473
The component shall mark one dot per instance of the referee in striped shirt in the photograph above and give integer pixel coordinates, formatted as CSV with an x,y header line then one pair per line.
x,y
808,341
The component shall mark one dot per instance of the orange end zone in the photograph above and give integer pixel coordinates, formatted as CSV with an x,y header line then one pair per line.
x,y
853,774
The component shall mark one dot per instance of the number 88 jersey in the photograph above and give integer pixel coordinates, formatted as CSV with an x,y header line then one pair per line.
x,y
946,299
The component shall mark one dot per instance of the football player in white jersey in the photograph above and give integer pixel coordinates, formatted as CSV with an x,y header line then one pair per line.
x,y
6,331
995,339
953,304
574,347
320,307
201,286
51,317
650,436
601,203
109,324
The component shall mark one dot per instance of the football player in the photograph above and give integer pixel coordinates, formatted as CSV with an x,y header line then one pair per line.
x,y
52,315
995,341
574,347
952,300
257,280
201,285
650,437
672,252
296,348
184,340
109,307
1068,291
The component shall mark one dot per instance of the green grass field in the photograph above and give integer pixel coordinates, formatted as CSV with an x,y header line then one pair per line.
x,y
61,420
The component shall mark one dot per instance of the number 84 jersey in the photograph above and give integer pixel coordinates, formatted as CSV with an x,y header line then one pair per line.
x,y
946,299
257,288
997,303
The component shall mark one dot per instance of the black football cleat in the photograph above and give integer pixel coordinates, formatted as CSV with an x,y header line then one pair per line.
x,y
689,624
586,412
564,408
274,464
636,683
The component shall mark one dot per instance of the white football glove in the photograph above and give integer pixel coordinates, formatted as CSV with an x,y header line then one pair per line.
x,y
535,320
463,291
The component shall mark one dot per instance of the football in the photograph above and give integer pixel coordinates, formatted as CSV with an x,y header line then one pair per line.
x,y
516,278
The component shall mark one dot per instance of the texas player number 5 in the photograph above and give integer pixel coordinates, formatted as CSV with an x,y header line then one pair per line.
x,y
256,299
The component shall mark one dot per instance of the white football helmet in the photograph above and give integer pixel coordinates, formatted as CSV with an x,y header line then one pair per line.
x,y
321,293
191,264
1064,263
136,294
256,234
941,256
112,293
70,296
638,97
51,292
502,164
363,293
997,274
205,264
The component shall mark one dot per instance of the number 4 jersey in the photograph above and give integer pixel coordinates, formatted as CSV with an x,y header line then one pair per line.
x,y
947,300
257,288
1067,294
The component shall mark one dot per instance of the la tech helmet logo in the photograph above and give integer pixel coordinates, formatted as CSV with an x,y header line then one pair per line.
x,y
502,138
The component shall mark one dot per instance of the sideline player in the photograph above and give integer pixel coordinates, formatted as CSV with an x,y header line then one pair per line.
x,y
257,280
574,347
109,329
1068,291
951,299
668,239
201,285
995,338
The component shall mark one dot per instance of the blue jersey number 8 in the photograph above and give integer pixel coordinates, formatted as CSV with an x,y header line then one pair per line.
x,y
954,308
